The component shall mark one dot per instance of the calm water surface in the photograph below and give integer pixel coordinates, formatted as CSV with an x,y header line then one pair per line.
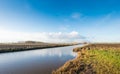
x,y
41,61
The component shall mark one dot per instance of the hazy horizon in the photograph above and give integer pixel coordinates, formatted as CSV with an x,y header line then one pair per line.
x,y
60,20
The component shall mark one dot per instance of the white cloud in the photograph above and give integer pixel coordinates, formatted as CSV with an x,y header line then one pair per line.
x,y
12,36
74,33
76,15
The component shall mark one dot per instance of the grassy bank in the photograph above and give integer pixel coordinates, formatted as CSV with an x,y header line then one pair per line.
x,y
93,59
29,45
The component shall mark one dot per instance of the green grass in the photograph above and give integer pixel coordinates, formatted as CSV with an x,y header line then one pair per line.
x,y
105,61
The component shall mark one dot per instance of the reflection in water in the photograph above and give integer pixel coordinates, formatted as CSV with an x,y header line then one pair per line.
x,y
41,61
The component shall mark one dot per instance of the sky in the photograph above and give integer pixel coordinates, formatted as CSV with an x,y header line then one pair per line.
x,y
60,20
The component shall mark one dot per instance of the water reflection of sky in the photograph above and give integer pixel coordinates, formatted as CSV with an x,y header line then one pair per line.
x,y
55,52
42,53
35,58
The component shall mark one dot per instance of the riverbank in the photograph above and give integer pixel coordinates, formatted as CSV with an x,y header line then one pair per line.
x,y
93,59
14,47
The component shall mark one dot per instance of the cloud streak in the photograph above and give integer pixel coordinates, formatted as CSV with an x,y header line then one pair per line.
x,y
12,36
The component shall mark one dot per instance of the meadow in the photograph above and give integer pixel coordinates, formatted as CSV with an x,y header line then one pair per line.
x,y
93,59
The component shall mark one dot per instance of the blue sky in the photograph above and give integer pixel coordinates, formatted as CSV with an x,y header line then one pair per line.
x,y
60,20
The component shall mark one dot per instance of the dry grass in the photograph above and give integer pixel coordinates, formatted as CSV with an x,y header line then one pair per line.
x,y
93,59
30,45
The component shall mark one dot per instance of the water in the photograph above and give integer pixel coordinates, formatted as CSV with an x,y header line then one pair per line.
x,y
41,61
